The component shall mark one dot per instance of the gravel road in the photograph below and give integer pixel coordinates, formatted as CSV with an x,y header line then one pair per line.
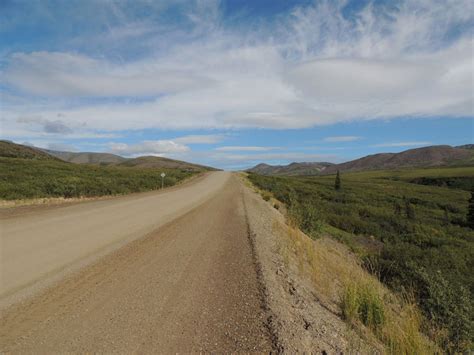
x,y
183,279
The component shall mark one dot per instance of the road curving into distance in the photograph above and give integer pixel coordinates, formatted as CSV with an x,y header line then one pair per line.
x,y
184,281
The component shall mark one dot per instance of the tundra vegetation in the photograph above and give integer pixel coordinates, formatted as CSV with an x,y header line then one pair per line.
x,y
411,230
24,178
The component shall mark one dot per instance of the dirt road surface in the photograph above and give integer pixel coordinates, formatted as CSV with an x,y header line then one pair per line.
x,y
183,280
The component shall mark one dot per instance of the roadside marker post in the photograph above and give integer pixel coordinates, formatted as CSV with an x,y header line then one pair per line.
x,y
162,179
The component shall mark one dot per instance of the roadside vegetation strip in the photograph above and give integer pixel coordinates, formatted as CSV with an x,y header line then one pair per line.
x,y
368,307
415,238
33,179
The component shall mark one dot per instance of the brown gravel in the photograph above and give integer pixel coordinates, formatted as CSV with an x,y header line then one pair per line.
x,y
190,286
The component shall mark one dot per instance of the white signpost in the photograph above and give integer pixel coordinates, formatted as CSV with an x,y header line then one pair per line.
x,y
162,179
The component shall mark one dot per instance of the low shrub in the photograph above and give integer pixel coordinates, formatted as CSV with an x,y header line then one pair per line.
x,y
417,226
266,196
30,178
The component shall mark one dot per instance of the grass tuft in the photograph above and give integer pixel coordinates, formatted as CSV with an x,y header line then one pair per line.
x,y
362,302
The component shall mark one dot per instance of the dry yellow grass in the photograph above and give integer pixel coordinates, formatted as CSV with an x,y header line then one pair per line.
x,y
344,286
46,201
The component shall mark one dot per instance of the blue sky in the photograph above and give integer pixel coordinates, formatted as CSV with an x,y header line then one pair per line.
x,y
234,83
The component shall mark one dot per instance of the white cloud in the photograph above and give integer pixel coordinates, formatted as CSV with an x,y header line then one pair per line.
x,y
159,147
316,68
245,149
65,74
342,139
200,139
401,144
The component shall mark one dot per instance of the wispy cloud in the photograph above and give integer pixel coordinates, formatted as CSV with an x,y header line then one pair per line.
x,y
200,139
318,67
342,139
142,67
159,147
245,149
401,144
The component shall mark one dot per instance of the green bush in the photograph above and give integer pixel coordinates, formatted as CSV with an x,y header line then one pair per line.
x,y
422,240
448,304
306,216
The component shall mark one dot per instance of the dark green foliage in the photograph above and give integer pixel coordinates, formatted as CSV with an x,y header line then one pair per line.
x,y
470,213
398,209
31,178
409,210
448,304
464,183
337,183
446,215
306,215
424,244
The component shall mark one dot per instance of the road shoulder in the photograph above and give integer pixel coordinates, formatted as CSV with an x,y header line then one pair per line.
x,y
299,320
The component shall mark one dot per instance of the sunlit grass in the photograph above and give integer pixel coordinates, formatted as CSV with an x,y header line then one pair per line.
x,y
29,179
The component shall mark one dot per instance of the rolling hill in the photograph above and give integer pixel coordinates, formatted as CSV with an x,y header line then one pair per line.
x,y
440,155
86,157
12,150
160,162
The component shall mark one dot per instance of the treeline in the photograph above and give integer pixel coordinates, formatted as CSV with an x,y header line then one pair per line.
x,y
416,238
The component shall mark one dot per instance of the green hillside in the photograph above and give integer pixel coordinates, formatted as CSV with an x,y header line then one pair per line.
x,y
12,150
408,226
27,172
36,178
31,178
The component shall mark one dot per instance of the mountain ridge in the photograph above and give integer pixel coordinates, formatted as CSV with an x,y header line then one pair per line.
x,y
86,157
431,156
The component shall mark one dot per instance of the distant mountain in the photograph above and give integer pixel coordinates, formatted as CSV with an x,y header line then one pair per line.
x,y
290,169
465,146
159,162
86,157
116,160
439,155
12,150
